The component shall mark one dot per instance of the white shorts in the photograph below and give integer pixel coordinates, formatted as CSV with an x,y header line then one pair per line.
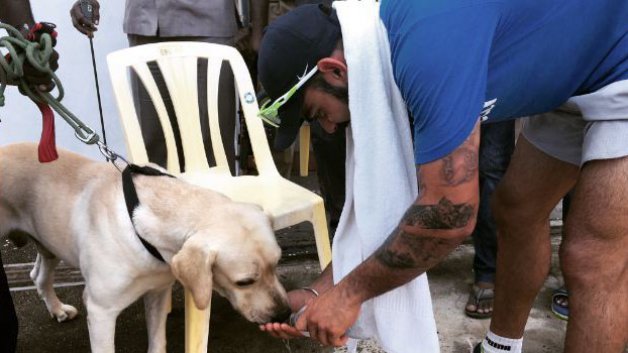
x,y
587,127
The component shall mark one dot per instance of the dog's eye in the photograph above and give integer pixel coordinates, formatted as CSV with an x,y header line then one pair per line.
x,y
245,282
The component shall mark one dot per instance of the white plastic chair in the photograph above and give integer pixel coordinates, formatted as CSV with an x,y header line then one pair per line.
x,y
286,203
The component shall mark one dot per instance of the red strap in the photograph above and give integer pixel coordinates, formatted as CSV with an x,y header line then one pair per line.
x,y
47,148
35,32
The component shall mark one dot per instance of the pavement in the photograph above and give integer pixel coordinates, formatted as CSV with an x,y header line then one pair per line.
x,y
230,333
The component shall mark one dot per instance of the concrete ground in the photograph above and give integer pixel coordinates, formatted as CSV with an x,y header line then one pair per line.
x,y
449,283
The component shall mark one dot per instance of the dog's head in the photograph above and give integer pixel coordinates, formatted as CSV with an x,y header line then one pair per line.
x,y
237,256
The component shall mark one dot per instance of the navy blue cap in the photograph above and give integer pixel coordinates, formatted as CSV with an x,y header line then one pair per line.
x,y
292,44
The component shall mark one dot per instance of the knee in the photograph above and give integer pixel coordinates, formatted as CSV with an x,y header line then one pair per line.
x,y
588,255
512,209
575,263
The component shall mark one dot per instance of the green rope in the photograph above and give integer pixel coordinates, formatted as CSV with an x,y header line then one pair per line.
x,y
37,54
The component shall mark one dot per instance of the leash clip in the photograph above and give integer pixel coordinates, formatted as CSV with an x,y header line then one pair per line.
x,y
86,135
111,155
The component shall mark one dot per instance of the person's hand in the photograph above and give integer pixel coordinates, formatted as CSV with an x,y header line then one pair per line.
x,y
297,299
40,80
82,21
328,317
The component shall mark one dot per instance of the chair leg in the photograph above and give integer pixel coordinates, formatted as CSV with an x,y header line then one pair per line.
x,y
304,150
196,326
321,234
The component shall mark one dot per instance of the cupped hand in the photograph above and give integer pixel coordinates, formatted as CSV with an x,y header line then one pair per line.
x,y
297,299
329,317
281,330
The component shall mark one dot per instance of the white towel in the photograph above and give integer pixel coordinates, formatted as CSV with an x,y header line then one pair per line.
x,y
380,185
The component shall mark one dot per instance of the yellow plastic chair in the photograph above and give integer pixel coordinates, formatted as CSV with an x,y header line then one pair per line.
x,y
285,202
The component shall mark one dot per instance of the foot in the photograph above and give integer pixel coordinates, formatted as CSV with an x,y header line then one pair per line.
x,y
560,303
480,303
63,312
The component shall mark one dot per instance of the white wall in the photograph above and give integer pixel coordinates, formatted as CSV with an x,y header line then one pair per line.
x,y
21,120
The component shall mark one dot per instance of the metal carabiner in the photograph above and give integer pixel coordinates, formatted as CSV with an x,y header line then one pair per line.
x,y
110,155
105,151
86,135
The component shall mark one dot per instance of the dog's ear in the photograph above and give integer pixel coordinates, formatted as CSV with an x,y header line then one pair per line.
x,y
192,266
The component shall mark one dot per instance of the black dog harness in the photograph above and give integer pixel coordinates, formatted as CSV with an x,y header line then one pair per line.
x,y
132,201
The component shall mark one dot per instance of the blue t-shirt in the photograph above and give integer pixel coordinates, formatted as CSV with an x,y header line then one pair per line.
x,y
458,60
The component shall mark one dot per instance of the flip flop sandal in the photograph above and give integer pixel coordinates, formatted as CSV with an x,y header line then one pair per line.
x,y
478,348
561,311
480,296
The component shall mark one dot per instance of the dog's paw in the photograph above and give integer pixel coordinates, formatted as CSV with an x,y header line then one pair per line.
x,y
64,313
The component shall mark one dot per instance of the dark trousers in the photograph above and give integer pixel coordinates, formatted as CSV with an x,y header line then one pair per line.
x,y
147,115
8,318
497,143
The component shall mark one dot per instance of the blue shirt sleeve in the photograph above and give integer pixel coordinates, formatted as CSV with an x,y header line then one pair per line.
x,y
440,63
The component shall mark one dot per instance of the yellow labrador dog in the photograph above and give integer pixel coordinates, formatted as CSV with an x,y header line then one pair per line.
x,y
74,209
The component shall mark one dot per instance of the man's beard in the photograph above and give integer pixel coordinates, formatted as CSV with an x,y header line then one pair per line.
x,y
340,93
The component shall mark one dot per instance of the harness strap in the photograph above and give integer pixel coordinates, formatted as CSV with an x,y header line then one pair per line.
x,y
132,201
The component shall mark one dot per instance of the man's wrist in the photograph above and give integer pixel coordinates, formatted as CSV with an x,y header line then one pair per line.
x,y
351,291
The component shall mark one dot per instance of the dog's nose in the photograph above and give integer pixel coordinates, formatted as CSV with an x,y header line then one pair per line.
x,y
282,316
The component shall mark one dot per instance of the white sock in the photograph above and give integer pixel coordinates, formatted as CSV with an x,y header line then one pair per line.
x,y
497,344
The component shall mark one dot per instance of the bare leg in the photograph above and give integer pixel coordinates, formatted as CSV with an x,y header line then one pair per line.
x,y
594,259
532,186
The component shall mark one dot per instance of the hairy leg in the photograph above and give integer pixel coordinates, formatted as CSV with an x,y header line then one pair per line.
x,y
532,186
594,259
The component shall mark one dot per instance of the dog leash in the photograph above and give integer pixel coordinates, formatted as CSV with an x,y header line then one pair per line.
x,y
34,47
36,50
88,11
38,53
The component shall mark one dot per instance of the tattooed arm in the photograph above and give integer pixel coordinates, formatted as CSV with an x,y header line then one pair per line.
x,y
442,216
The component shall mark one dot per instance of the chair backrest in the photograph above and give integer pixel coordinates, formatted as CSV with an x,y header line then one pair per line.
x,y
177,62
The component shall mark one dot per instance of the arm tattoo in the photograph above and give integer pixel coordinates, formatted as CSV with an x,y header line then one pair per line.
x,y
403,250
460,167
407,251
445,215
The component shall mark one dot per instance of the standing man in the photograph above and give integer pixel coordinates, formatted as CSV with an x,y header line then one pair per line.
x,y
147,22
497,142
458,63
18,14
